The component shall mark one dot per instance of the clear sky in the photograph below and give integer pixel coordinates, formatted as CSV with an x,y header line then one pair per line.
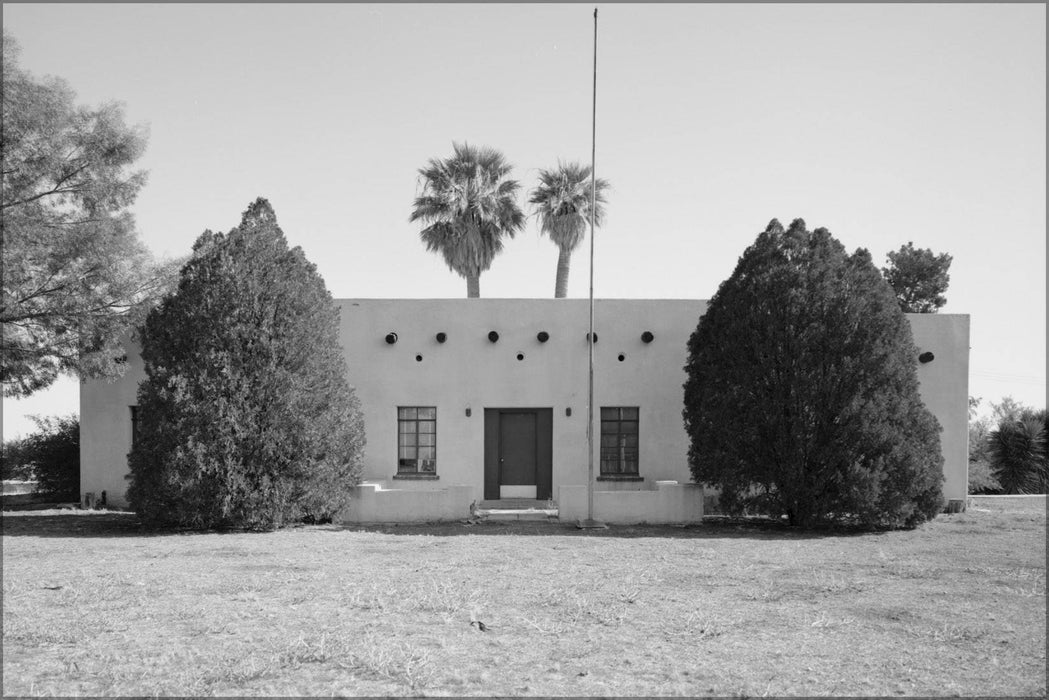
x,y
884,123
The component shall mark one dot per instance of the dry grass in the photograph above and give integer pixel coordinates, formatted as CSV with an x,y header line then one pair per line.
x,y
94,606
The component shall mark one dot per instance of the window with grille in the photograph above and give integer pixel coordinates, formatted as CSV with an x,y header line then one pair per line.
x,y
619,446
416,440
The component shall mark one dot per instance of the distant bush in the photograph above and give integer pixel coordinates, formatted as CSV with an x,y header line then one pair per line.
x,y
802,393
50,456
1008,451
13,462
982,479
245,417
919,278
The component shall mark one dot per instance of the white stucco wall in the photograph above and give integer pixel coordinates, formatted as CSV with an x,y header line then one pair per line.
x,y
369,503
105,431
469,371
664,502
944,387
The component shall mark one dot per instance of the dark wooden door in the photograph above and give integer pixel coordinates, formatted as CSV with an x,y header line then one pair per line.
x,y
517,449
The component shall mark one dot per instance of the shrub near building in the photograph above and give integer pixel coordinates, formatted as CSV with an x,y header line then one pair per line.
x,y
802,392
245,417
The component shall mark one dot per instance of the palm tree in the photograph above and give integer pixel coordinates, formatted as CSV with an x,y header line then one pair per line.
x,y
562,205
468,204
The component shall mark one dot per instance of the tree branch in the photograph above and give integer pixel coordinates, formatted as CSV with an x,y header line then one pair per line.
x,y
57,189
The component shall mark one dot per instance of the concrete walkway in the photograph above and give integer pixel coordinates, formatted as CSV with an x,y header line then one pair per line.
x,y
516,509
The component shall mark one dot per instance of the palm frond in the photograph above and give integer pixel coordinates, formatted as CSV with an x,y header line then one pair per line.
x,y
562,200
468,204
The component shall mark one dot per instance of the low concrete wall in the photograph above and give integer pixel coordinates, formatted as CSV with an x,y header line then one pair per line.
x,y
668,502
371,503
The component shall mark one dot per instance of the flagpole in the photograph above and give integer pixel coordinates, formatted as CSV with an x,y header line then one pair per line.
x,y
590,523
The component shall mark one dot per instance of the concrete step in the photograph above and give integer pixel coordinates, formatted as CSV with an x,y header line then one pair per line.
x,y
516,513
516,509
517,504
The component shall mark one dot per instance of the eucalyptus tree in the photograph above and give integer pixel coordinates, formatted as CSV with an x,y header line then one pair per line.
x,y
562,205
468,205
76,276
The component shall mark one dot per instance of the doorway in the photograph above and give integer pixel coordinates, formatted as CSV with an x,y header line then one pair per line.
x,y
518,453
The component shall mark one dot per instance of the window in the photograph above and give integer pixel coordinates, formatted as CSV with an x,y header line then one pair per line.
x,y
416,440
134,426
619,450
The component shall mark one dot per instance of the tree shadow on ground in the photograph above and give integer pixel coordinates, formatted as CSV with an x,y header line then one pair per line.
x,y
712,528
27,523
105,524
100,524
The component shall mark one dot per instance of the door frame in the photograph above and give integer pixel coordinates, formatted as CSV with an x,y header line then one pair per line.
x,y
544,421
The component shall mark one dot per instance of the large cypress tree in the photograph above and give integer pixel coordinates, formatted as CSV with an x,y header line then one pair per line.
x,y
245,417
802,393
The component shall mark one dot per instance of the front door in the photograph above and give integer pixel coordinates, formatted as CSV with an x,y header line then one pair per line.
x,y
518,451
517,464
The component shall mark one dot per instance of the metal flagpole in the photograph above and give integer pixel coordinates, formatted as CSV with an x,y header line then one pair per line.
x,y
590,523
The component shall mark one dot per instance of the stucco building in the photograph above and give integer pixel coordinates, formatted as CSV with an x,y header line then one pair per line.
x,y
479,400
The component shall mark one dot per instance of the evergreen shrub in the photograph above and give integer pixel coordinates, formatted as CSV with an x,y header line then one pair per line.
x,y
802,391
245,417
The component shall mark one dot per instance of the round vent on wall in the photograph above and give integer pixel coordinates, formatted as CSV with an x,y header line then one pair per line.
x,y
391,338
542,336
926,357
441,337
493,336
647,337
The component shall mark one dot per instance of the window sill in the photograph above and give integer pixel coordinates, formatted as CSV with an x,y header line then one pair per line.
x,y
620,477
417,477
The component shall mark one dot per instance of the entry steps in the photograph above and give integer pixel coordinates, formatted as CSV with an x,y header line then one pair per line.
x,y
516,509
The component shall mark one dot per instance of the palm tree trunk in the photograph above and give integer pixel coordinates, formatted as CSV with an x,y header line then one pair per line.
x,y
564,260
473,286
